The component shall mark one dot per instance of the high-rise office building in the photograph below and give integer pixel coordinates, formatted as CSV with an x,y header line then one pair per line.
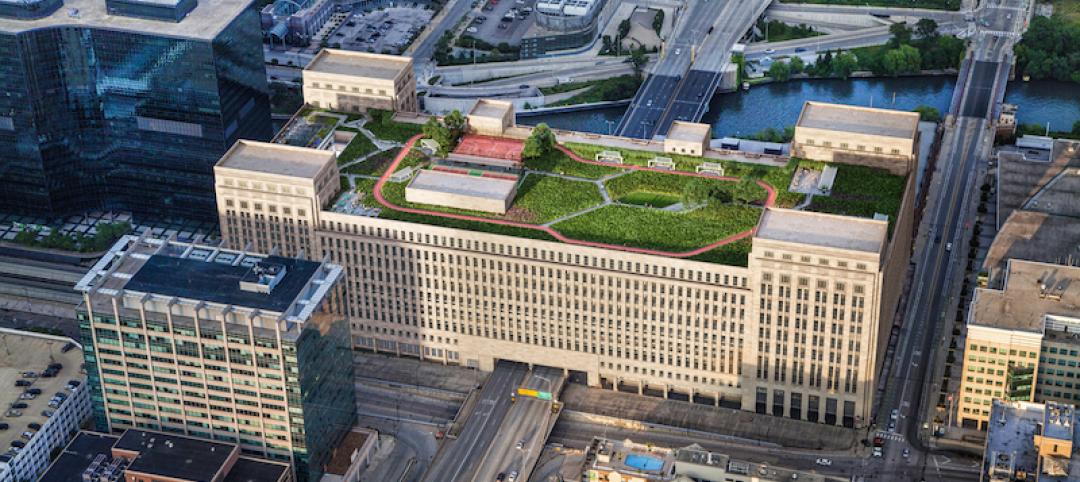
x,y
799,332
125,104
220,345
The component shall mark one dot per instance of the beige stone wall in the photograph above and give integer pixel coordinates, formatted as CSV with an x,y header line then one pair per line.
x,y
816,333
265,211
471,298
895,266
895,155
486,126
355,94
689,148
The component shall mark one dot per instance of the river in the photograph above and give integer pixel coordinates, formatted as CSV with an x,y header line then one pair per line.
x,y
778,105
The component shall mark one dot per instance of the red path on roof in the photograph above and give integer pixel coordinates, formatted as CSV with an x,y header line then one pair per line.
x,y
686,254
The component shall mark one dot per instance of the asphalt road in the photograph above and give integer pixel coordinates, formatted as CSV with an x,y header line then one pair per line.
x,y
458,459
403,404
426,48
526,423
964,148
653,98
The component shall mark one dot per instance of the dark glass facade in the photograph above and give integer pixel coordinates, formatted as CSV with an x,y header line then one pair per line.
x,y
100,119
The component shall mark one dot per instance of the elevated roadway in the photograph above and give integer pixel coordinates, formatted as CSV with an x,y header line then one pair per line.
x,y
527,425
702,42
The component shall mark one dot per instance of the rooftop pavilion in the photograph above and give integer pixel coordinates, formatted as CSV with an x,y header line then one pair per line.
x,y
22,352
824,230
201,20
359,64
1032,295
859,120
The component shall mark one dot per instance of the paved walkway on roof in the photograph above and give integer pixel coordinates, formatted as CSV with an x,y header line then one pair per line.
x,y
557,235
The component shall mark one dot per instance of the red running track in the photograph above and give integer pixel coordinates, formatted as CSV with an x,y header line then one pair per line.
x,y
557,235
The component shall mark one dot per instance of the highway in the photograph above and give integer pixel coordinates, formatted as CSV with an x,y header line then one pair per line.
x,y
458,459
845,41
691,99
965,146
937,15
654,96
527,423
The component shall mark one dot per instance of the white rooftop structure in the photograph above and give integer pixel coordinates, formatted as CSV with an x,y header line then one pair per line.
x,y
204,21
462,191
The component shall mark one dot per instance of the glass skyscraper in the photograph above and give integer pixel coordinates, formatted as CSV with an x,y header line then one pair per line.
x,y
125,104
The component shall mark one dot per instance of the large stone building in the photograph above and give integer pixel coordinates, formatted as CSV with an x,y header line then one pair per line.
x,y
1023,340
350,81
883,138
125,104
220,345
798,332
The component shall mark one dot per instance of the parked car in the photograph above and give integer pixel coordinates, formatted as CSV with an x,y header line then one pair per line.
x,y
472,30
878,452
47,413
895,414
770,51
19,405
907,453
823,462
22,383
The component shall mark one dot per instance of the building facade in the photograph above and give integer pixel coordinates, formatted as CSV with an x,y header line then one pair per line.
x,y
1023,341
126,105
796,333
33,431
220,345
350,81
882,138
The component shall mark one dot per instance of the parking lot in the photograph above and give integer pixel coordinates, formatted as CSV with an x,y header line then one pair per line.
x,y
382,31
503,21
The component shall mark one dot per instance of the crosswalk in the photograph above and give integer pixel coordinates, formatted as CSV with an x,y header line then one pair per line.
x,y
895,437
1002,33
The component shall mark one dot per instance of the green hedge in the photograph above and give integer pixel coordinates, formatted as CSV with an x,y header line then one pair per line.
x,y
383,125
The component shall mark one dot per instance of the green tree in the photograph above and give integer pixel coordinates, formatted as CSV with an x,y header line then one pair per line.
x,y
901,60
780,71
797,65
696,193
658,22
638,60
844,64
926,28
928,113
901,34
746,191
540,142
439,133
455,125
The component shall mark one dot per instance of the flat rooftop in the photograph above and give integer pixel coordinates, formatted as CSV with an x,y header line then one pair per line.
x,y
488,108
22,351
342,459
174,456
1013,442
78,455
204,22
1033,236
825,230
859,120
359,64
277,159
463,184
1032,290
247,469
220,283
194,273
689,131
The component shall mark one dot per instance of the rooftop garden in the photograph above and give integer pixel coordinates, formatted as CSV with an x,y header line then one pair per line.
x,y
563,195
383,125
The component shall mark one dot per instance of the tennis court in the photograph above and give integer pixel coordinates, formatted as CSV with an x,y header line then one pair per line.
x,y
490,147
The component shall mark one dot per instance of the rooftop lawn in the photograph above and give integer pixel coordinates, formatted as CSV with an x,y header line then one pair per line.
x,y
732,254
559,163
383,125
862,191
778,177
656,229
374,165
359,146
640,184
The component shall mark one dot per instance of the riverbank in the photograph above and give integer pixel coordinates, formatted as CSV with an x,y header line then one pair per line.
x,y
777,104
